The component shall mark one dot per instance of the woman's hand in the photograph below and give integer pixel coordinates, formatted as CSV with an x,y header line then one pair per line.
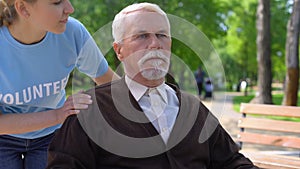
x,y
73,105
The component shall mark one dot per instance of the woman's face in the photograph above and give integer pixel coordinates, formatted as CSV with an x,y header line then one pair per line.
x,y
49,15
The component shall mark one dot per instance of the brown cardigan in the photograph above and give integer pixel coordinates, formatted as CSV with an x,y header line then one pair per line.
x,y
104,138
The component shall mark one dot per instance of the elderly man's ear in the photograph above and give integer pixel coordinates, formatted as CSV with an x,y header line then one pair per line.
x,y
117,48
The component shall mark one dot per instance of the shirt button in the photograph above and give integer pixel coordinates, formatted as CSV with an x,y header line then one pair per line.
x,y
164,129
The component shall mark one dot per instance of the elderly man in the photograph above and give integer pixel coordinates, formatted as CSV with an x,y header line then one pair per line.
x,y
140,121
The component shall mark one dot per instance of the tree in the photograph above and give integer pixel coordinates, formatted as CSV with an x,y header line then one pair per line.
x,y
263,42
292,57
238,48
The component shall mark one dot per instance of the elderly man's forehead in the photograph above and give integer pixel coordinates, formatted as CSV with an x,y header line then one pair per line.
x,y
145,14
147,21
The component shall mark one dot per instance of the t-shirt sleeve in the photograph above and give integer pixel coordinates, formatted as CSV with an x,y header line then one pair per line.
x,y
90,59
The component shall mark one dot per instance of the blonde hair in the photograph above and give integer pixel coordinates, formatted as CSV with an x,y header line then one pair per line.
x,y
8,12
118,30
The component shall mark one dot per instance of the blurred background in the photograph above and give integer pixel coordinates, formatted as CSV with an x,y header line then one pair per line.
x,y
250,38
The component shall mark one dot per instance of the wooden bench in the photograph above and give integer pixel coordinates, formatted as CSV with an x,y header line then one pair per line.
x,y
257,127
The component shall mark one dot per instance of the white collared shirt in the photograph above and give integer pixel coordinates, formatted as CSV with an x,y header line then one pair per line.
x,y
169,96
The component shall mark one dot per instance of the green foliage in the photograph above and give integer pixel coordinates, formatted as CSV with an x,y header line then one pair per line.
x,y
229,24
204,14
238,48
280,14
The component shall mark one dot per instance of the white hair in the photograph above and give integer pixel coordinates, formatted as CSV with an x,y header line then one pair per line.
x,y
118,23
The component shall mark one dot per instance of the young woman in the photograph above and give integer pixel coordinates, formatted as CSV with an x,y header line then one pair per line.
x,y
40,46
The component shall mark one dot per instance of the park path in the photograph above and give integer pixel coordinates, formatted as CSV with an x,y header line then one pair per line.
x,y
222,107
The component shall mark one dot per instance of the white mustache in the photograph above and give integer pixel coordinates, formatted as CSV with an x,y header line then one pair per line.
x,y
154,55
160,65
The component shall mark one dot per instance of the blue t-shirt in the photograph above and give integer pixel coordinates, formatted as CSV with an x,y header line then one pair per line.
x,y
33,77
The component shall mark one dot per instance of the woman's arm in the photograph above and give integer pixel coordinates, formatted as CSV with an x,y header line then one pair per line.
x,y
107,77
21,123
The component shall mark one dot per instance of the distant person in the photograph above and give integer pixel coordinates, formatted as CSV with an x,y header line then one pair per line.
x,y
199,75
208,86
139,121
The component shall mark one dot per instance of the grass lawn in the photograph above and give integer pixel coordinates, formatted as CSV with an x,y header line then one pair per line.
x,y
237,100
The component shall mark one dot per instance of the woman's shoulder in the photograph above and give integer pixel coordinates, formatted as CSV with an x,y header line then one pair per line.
x,y
74,23
72,20
76,29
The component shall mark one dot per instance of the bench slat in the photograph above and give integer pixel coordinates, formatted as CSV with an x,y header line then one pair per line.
x,y
268,124
265,134
282,141
268,161
286,111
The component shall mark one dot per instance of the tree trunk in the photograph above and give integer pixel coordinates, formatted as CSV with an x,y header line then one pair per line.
x,y
292,57
263,42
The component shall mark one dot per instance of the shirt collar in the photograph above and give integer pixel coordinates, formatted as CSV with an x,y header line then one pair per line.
x,y
138,90
162,91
